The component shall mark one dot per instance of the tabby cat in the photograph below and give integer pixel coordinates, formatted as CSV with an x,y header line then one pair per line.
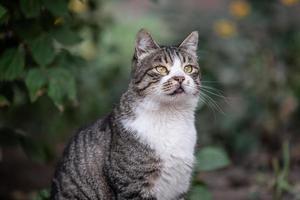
x,y
144,149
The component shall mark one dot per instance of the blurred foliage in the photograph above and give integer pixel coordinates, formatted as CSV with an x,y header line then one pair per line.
x,y
211,158
207,159
281,182
200,192
65,63
42,195
36,41
39,63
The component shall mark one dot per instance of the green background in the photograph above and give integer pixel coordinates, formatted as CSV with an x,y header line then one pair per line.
x,y
63,64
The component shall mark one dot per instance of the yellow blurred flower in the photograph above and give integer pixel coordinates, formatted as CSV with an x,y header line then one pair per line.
x,y
225,28
88,50
78,6
239,8
59,21
289,2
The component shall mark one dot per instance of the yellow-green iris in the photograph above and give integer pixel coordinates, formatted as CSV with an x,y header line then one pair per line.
x,y
162,70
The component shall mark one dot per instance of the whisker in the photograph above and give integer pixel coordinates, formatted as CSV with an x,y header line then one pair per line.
x,y
211,88
213,102
213,93
204,95
208,103
217,95
203,81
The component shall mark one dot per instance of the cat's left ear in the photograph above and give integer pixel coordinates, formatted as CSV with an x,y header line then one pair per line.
x,y
144,44
190,43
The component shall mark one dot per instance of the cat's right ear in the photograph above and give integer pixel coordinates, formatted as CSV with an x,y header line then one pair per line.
x,y
190,43
144,44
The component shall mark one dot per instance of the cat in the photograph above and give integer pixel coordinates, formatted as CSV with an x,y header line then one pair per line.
x,y
144,149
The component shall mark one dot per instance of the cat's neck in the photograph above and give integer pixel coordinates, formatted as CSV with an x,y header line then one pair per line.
x,y
166,128
131,105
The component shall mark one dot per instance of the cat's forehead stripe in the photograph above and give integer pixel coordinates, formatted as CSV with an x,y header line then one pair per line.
x,y
167,55
170,53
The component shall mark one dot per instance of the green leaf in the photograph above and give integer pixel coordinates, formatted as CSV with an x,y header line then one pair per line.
x,y
30,8
244,142
42,195
212,158
200,192
61,85
66,36
42,49
57,7
2,11
28,29
12,64
35,80
4,101
65,58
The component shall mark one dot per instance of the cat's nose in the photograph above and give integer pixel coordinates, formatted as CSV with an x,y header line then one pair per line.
x,y
180,79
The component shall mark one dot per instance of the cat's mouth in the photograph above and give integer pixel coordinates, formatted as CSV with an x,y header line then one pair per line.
x,y
179,90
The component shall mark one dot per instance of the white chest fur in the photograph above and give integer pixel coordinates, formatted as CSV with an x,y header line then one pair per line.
x,y
171,133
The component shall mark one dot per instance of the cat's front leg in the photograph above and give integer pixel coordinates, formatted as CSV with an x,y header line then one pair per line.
x,y
182,197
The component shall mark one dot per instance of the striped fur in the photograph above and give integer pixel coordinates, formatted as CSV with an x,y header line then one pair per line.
x,y
143,150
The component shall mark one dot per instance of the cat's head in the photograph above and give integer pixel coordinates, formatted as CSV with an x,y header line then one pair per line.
x,y
166,73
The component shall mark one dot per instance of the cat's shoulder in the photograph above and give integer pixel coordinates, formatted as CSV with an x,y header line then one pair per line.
x,y
98,125
95,130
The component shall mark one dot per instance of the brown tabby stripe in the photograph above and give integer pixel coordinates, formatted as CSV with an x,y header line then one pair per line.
x,y
165,56
178,55
143,75
169,59
148,85
169,53
158,59
151,75
184,60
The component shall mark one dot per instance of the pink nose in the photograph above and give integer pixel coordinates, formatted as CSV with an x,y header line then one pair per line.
x,y
180,79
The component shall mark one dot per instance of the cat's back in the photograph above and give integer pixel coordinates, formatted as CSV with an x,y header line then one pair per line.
x,y
79,174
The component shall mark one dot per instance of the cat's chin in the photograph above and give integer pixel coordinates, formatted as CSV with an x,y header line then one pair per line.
x,y
178,91
178,97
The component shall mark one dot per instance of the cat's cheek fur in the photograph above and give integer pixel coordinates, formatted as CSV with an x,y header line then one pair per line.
x,y
172,135
189,85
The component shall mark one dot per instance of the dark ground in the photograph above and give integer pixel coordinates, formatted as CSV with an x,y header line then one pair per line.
x,y
245,182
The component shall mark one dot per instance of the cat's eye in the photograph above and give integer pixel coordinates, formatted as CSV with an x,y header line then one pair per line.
x,y
162,70
189,69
